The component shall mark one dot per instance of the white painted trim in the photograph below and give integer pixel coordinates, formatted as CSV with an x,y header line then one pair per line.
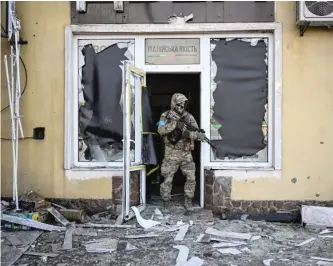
x,y
190,28
249,174
68,99
278,97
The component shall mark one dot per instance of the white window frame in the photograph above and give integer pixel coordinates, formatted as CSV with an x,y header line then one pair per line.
x,y
271,106
205,31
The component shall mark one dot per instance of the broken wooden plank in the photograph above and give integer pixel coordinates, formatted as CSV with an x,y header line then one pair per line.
x,y
68,238
317,216
182,255
305,242
41,254
58,216
212,231
326,236
120,226
326,231
182,232
31,223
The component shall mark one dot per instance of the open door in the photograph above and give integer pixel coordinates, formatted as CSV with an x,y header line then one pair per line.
x,y
133,81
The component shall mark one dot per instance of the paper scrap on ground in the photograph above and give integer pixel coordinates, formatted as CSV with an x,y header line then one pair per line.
x,y
143,222
182,255
306,242
232,251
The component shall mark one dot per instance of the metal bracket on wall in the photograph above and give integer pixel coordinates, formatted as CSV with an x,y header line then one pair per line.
x,y
81,6
303,28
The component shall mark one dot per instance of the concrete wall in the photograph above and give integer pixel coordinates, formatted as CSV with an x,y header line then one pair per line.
x,y
307,114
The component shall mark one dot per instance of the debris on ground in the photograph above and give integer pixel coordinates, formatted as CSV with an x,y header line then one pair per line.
x,y
151,238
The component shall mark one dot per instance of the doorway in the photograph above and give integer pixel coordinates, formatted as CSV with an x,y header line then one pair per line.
x,y
161,87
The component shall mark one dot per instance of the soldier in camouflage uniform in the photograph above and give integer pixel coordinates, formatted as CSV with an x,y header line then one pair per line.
x,y
178,149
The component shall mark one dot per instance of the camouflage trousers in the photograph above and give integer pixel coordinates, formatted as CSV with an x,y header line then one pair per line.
x,y
170,165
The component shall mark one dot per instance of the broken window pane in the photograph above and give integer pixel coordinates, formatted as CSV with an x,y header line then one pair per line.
x,y
239,99
100,129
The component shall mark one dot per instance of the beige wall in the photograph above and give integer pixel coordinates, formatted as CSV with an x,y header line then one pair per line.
x,y
307,117
41,162
307,113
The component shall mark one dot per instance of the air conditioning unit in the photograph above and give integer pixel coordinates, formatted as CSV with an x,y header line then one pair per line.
x,y
314,13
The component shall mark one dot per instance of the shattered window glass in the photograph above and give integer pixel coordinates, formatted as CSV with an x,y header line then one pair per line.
x,y
239,99
100,80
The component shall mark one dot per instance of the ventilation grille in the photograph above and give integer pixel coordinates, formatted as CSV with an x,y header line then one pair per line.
x,y
320,8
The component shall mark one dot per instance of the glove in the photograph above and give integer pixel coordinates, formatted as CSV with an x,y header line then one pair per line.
x,y
201,136
181,126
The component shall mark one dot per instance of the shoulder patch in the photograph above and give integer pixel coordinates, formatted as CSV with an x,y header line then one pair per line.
x,y
161,123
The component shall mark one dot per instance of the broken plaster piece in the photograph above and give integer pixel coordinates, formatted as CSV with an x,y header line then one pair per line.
x,y
143,222
232,251
326,231
157,212
226,234
227,245
130,247
267,262
324,263
318,216
182,232
194,261
322,259
141,236
102,245
182,255
305,242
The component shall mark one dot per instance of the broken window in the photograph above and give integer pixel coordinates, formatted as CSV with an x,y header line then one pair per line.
x,y
100,116
239,99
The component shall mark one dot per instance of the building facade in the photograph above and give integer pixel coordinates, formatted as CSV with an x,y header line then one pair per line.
x,y
254,85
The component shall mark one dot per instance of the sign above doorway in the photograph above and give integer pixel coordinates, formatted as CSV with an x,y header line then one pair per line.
x,y
162,51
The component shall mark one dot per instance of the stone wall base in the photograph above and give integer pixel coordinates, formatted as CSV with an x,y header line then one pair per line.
x,y
218,199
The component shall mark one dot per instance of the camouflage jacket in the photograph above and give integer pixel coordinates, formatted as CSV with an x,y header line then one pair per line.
x,y
167,125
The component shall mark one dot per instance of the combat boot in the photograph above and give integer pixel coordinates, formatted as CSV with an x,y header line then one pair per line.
x,y
166,207
188,204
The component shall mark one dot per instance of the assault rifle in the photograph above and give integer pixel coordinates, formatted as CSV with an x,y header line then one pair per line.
x,y
195,129
174,116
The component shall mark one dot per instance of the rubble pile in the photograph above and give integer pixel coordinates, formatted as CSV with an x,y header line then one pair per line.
x,y
49,234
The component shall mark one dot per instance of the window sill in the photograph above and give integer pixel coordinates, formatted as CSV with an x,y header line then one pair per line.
x,y
251,173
